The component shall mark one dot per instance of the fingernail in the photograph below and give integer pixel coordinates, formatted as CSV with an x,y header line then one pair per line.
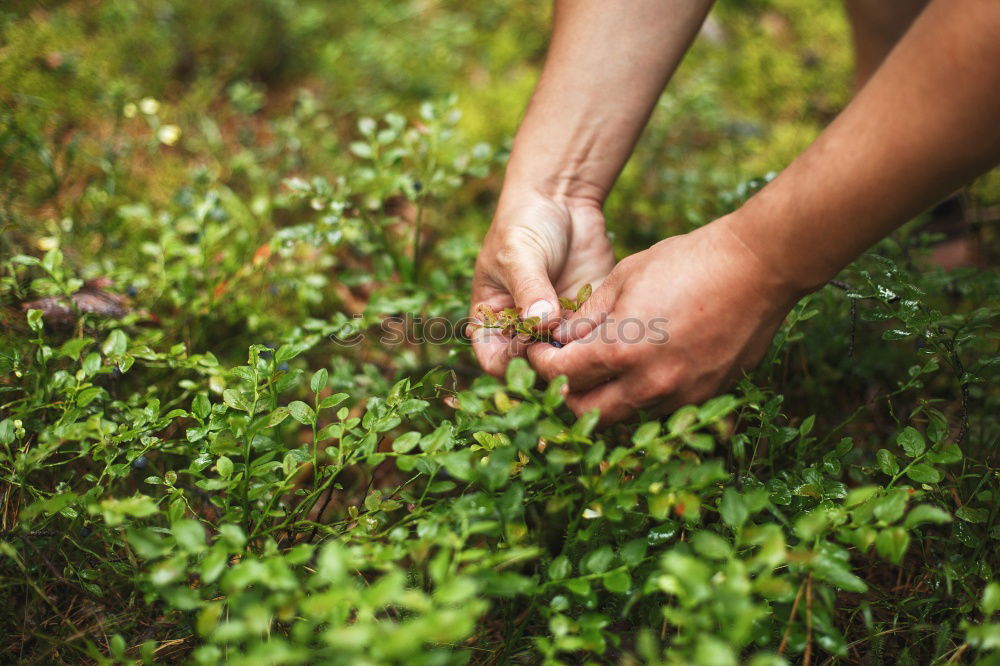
x,y
540,309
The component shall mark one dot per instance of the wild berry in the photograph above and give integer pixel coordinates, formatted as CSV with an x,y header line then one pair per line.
x,y
85,532
140,463
556,344
131,290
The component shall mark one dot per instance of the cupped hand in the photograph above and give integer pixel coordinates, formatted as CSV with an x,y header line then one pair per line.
x,y
670,326
537,249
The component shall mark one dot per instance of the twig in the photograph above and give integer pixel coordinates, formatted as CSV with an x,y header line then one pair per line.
x,y
807,655
791,618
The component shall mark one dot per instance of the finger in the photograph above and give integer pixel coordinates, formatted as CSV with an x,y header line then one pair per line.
x,y
625,398
614,399
591,314
586,362
494,349
526,275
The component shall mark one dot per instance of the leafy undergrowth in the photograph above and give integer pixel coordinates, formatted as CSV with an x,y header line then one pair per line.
x,y
240,423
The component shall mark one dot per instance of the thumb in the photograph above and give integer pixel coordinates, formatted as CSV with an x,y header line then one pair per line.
x,y
529,284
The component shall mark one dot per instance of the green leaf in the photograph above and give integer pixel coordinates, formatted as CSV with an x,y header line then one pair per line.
x,y
201,406
34,318
190,535
857,496
892,543
406,443
911,441
72,347
288,352
224,466
116,510
945,454
49,506
213,565
991,599
813,524
887,462
971,515
362,150
520,377
277,417
891,507
633,552
617,581
984,637
302,412
88,395
807,425
553,393
52,260
586,423
319,380
682,420
91,364
836,572
717,408
925,513
115,344
733,509
560,568
924,473
332,400
598,561
147,543
710,545
232,535
646,433
235,400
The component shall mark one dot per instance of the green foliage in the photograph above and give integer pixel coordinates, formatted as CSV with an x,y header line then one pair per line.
x,y
250,444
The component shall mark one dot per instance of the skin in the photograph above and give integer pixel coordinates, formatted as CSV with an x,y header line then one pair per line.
x,y
548,236
924,123
876,26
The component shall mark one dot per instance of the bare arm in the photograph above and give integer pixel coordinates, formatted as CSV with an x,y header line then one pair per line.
x,y
606,66
926,123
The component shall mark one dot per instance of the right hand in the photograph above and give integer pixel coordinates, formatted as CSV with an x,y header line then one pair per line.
x,y
536,250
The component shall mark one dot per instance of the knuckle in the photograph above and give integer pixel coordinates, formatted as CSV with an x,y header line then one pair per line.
x,y
507,257
628,354
611,356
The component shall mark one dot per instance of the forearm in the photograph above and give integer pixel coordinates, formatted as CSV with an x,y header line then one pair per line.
x,y
927,122
606,66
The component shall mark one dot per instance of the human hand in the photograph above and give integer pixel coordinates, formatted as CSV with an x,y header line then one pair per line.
x,y
537,249
670,326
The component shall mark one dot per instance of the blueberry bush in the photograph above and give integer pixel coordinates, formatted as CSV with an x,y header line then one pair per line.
x,y
240,423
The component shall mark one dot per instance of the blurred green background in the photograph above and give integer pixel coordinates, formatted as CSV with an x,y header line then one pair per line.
x,y
762,80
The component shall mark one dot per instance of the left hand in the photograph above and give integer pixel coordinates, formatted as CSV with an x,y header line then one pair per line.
x,y
673,325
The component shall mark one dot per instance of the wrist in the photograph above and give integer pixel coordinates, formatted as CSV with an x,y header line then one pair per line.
x,y
564,188
536,202
770,270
